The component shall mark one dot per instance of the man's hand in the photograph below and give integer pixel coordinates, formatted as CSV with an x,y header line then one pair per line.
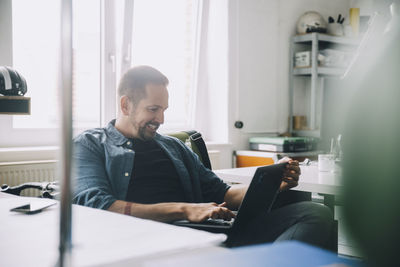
x,y
291,174
173,211
199,212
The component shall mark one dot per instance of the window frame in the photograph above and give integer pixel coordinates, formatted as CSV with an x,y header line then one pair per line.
x,y
11,137
114,61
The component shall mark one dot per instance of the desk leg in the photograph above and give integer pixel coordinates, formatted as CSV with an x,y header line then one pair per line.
x,y
334,245
329,201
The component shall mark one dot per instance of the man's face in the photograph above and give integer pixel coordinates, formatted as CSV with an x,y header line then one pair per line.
x,y
148,114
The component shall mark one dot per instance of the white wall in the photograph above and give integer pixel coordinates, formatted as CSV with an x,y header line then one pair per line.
x,y
289,12
249,66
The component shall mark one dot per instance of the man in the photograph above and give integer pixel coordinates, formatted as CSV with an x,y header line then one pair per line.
x,y
127,167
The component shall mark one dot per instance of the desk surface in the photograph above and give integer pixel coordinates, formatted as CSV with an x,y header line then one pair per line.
x,y
98,237
311,180
102,238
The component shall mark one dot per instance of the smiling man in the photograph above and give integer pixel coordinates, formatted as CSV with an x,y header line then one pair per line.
x,y
127,167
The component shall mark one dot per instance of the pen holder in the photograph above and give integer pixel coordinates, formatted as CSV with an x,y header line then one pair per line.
x,y
335,29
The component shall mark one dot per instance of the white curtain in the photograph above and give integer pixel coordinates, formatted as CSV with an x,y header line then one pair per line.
x,y
211,74
208,112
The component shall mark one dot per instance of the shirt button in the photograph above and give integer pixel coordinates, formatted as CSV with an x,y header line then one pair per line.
x,y
127,174
128,143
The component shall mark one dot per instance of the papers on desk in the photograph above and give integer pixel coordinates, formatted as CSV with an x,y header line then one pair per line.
x,y
98,237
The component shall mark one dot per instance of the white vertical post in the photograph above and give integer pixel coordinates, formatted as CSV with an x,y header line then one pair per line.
x,y
291,89
108,62
314,79
65,87
127,37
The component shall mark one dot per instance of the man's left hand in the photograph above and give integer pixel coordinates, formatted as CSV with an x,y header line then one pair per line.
x,y
291,174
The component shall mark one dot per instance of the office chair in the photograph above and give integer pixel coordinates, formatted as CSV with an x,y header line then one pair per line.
x,y
195,141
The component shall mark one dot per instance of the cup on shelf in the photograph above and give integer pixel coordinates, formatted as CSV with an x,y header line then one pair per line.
x,y
326,162
335,29
355,20
299,122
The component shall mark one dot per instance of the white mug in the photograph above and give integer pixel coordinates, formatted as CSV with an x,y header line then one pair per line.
x,y
326,162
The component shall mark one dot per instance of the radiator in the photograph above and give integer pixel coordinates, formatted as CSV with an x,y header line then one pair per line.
x,y
15,173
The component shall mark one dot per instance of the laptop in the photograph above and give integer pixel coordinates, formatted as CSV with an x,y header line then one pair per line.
x,y
260,196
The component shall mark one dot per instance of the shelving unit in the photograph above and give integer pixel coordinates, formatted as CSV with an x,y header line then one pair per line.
x,y
313,42
15,105
320,71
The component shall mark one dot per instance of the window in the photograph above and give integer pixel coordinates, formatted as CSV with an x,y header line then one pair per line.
x,y
35,55
164,36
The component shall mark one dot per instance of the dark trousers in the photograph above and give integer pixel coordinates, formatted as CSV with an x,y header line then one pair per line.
x,y
305,221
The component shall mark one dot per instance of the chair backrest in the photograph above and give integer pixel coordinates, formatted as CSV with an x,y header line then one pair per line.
x,y
195,141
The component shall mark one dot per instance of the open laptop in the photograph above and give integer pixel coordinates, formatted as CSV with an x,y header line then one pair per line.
x,y
259,198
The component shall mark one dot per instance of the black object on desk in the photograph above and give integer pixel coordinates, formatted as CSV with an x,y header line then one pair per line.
x,y
27,208
48,189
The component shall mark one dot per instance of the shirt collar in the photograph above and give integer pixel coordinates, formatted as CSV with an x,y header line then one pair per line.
x,y
117,137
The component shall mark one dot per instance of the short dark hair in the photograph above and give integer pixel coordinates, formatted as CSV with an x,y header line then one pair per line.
x,y
133,82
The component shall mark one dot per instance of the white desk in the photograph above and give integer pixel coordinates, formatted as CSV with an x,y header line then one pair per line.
x,y
311,180
99,237
327,184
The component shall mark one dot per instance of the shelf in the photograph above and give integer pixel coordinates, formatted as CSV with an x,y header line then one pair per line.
x,y
315,42
308,133
324,71
15,105
325,38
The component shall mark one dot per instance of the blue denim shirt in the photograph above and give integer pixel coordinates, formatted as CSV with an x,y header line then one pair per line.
x,y
104,159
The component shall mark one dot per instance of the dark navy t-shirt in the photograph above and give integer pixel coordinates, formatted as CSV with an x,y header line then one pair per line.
x,y
154,178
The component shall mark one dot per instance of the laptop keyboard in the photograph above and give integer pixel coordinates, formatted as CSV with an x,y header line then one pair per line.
x,y
218,222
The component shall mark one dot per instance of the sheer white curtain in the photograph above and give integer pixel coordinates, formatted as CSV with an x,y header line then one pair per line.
x,y
188,41
211,78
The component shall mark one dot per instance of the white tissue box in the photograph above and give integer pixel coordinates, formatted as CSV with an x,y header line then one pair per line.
x,y
302,59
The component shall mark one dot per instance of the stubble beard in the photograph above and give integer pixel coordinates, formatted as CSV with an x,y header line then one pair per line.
x,y
144,135
142,131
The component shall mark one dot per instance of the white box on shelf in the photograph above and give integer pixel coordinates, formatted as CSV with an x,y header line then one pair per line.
x,y
302,59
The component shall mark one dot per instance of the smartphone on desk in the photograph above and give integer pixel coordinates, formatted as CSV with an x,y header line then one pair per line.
x,y
30,209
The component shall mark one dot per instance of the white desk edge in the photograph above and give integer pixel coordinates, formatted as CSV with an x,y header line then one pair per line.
x,y
311,180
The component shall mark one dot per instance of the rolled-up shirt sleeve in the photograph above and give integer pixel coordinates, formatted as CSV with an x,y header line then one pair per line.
x,y
91,184
213,188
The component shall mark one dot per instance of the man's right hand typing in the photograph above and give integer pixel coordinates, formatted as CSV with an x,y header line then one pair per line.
x,y
199,212
173,211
